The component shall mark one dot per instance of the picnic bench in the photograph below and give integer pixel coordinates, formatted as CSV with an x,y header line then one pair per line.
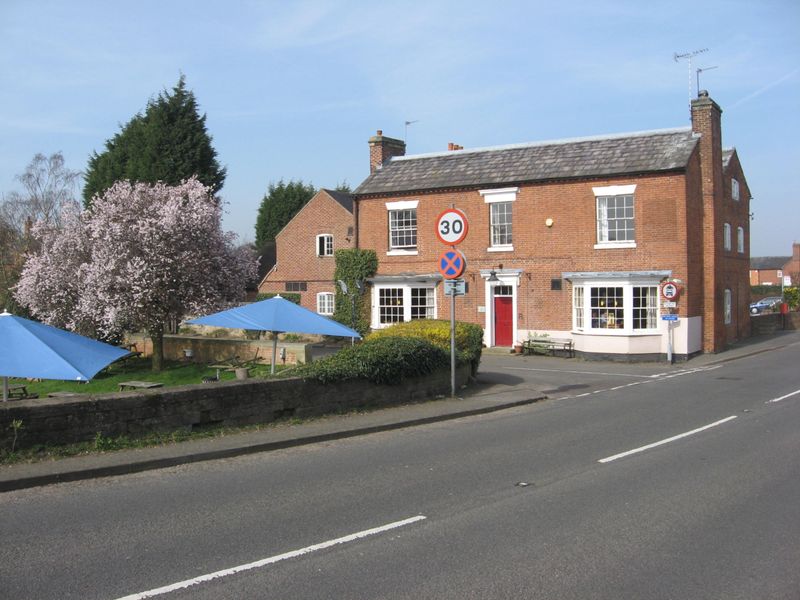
x,y
141,385
19,391
548,346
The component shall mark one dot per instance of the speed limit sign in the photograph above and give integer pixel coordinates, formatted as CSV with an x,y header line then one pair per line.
x,y
452,226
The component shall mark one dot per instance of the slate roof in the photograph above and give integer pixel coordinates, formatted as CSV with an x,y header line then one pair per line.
x,y
346,200
625,154
768,263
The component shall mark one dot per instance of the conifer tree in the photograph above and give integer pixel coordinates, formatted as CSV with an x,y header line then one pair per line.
x,y
168,143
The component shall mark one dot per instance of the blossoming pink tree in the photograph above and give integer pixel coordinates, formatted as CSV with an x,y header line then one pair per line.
x,y
143,254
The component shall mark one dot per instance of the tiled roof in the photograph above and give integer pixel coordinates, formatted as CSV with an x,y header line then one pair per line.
x,y
343,198
768,263
644,152
727,153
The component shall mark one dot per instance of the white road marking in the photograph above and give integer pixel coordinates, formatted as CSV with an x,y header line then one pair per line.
x,y
271,560
582,372
783,397
666,441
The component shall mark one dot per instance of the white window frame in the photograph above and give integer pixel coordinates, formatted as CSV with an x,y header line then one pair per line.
x,y
495,197
613,191
401,205
726,236
582,315
740,240
735,189
406,299
727,304
326,303
327,248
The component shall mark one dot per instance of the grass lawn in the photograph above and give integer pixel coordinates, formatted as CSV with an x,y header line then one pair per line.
x,y
137,369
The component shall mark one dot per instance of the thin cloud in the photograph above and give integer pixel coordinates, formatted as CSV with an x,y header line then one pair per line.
x,y
763,89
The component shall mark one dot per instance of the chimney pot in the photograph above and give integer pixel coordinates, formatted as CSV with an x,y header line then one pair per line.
x,y
380,131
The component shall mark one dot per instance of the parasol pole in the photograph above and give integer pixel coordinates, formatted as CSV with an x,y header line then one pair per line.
x,y
274,351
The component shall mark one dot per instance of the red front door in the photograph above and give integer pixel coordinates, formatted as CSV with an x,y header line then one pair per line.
x,y
503,321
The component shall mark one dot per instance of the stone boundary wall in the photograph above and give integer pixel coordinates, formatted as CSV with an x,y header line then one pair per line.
x,y
59,421
211,350
772,322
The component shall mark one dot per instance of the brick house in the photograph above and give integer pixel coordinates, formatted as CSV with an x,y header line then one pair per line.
x,y
570,238
769,270
305,247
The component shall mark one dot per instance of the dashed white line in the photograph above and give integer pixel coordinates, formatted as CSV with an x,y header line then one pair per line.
x,y
271,560
666,441
783,397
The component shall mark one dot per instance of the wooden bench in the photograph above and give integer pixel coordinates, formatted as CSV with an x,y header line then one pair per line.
x,y
548,346
143,385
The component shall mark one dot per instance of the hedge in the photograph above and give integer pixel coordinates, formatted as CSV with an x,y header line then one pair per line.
x,y
381,360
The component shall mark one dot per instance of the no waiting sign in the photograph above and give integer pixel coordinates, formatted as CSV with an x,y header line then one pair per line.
x,y
452,226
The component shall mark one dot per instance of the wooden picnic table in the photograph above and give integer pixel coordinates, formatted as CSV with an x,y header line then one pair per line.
x,y
144,385
18,391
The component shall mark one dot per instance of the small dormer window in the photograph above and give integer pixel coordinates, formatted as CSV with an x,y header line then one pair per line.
x,y
735,189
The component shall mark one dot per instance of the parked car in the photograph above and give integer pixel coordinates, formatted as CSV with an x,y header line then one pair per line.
x,y
765,304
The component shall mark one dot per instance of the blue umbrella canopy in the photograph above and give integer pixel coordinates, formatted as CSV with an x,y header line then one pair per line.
x,y
31,349
277,315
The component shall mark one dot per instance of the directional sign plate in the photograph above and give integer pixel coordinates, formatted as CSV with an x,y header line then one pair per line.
x,y
669,317
455,287
452,264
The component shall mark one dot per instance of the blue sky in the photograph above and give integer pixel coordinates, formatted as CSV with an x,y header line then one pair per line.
x,y
293,90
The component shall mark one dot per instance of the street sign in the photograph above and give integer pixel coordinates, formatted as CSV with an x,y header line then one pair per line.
x,y
452,226
455,287
670,290
452,264
669,304
669,317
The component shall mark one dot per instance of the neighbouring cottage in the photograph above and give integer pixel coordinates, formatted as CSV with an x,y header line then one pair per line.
x,y
772,270
305,247
569,238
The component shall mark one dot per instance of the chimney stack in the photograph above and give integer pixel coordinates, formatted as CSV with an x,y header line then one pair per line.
x,y
382,148
452,146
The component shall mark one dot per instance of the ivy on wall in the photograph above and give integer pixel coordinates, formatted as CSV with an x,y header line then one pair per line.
x,y
353,265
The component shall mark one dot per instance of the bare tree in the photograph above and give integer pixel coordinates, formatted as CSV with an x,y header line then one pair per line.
x,y
49,188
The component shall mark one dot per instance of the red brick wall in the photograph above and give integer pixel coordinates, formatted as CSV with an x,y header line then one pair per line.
x,y
542,253
296,249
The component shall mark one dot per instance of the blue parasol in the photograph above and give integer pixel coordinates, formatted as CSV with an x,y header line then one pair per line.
x,y
276,315
36,350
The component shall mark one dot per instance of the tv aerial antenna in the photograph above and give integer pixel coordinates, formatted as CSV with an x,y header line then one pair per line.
x,y
689,56
700,70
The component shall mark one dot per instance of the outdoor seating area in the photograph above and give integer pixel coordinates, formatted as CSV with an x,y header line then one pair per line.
x,y
550,346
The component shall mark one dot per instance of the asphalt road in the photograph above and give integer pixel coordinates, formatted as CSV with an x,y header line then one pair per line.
x,y
633,481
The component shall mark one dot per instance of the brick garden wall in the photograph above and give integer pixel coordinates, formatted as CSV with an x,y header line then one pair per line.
x,y
191,407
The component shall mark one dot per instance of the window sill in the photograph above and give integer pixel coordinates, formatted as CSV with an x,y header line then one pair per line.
x,y
610,245
402,253
618,332
500,249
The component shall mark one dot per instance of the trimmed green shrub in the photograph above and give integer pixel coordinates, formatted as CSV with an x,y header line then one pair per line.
x,y
469,337
383,360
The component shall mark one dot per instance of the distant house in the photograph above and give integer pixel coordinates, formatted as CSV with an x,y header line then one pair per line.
x,y
571,238
305,247
770,270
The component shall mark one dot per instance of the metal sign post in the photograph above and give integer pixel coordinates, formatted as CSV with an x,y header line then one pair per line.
x,y
451,229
